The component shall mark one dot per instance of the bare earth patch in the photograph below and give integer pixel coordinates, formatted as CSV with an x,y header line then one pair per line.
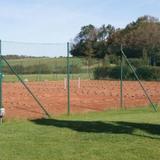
x,y
91,96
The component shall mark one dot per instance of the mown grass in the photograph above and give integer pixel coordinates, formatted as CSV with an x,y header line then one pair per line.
x,y
52,62
46,77
112,135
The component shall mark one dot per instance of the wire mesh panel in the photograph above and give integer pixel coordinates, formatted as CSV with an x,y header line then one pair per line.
x,y
141,84
96,84
57,83
42,67
89,92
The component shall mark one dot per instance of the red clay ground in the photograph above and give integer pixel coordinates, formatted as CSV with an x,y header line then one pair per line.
x,y
92,96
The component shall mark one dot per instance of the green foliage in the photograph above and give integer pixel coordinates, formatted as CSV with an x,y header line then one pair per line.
x,y
91,41
115,73
137,62
32,69
144,73
148,73
113,59
157,57
45,65
101,73
75,68
106,40
112,73
136,38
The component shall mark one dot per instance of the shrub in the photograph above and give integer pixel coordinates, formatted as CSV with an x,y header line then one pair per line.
x,y
35,69
148,73
101,73
75,68
144,73
137,62
115,72
17,68
113,59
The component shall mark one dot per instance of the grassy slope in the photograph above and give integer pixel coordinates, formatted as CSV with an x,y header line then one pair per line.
x,y
34,61
123,135
51,63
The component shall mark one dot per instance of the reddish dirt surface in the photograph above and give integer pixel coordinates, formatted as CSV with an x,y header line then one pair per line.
x,y
91,96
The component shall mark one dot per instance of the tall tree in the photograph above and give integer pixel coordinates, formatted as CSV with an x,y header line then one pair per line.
x,y
92,41
138,38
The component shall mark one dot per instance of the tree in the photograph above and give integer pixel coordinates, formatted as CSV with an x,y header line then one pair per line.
x,y
87,33
138,38
92,41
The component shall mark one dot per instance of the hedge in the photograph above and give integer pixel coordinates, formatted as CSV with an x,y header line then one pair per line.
x,y
148,73
42,69
144,73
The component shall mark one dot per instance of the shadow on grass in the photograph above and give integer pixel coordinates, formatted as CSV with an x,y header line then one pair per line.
x,y
116,127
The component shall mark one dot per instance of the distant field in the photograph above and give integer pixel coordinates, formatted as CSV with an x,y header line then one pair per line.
x,y
51,61
57,68
33,61
113,135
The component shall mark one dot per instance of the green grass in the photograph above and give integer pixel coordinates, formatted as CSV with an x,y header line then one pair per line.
x,y
33,61
46,77
54,61
55,68
113,135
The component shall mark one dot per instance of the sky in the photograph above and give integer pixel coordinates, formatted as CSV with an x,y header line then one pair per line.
x,y
59,21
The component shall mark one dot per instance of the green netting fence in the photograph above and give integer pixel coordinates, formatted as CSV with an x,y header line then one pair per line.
x,y
79,84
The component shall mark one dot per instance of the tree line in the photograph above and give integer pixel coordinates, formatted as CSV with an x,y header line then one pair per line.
x,y
140,39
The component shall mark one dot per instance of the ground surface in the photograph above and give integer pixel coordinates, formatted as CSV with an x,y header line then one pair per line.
x,y
91,96
112,135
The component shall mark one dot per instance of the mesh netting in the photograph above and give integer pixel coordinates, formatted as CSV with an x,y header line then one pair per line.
x,y
94,83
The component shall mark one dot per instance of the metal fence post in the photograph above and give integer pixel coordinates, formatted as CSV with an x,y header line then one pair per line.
x,y
1,105
24,84
2,109
68,78
136,76
121,83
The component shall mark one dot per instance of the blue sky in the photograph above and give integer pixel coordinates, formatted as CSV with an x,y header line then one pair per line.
x,y
61,20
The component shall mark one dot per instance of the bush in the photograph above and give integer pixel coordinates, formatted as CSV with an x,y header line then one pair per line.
x,y
148,73
35,69
137,62
115,73
17,68
144,73
113,59
75,68
101,73
158,60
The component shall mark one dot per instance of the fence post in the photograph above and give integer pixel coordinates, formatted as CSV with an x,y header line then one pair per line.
x,y
39,71
136,76
68,78
79,82
65,83
24,84
121,83
0,76
2,110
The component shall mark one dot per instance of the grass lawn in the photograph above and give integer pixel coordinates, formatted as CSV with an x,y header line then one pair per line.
x,y
112,135
48,77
